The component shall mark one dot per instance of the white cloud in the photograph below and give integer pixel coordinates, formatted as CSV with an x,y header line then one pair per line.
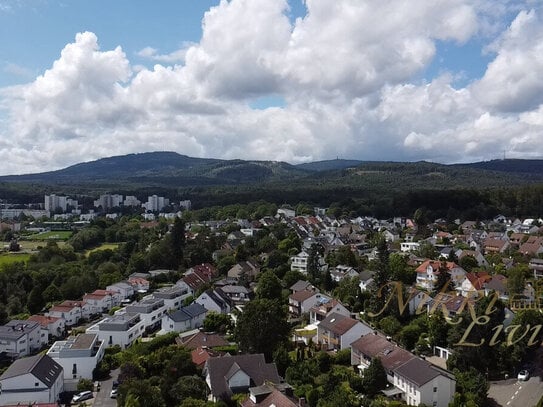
x,y
346,71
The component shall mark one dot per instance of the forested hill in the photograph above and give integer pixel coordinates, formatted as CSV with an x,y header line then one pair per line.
x,y
512,166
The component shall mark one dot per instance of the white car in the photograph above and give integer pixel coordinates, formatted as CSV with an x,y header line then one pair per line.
x,y
523,375
84,395
113,394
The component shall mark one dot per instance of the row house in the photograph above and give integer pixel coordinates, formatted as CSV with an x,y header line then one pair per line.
x,y
21,338
52,327
123,288
184,319
120,330
150,310
532,247
495,246
33,380
71,311
101,301
78,355
414,380
172,296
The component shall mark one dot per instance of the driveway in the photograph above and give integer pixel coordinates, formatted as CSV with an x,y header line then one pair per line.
x,y
101,398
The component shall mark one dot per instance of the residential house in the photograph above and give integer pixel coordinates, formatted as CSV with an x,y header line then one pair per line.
x,y
189,317
124,289
52,327
206,270
71,311
497,284
517,239
414,380
36,379
340,272
407,247
423,383
324,307
301,285
120,330
428,271
338,331
532,247
481,261
20,338
228,375
536,266
244,269
301,301
78,355
140,284
366,279
474,284
172,296
213,301
299,262
269,395
448,304
202,339
150,310
101,301
495,246
202,354
235,294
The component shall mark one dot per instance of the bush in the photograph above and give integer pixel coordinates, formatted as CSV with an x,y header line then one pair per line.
x,y
84,385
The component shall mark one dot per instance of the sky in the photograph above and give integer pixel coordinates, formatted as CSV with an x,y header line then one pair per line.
x,y
299,80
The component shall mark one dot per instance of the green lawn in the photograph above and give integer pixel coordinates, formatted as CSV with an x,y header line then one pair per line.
x,y
103,246
8,258
53,235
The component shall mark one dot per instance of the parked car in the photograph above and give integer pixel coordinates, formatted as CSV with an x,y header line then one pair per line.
x,y
523,375
84,395
113,394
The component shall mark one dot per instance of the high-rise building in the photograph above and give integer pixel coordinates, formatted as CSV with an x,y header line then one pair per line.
x,y
54,203
156,203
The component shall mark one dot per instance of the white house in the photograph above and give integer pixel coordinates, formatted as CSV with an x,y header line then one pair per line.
x,y
51,326
78,356
324,307
101,301
299,262
20,338
71,311
213,302
150,310
36,379
424,383
120,330
338,331
172,296
407,247
301,301
341,272
184,319
123,288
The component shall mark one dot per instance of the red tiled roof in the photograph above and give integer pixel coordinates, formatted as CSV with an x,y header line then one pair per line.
x,y
436,265
43,320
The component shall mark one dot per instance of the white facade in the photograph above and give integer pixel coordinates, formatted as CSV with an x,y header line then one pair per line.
x,y
78,356
120,330
213,302
150,311
187,318
409,247
156,203
54,202
21,338
71,311
172,296
31,380
131,200
124,289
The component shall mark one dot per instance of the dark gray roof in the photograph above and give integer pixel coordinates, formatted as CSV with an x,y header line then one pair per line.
x,y
300,285
15,328
187,313
220,368
42,367
418,371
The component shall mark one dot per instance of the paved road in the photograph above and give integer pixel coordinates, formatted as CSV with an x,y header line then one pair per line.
x,y
512,393
101,398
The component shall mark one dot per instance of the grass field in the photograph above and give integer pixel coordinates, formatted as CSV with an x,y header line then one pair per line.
x,y
103,246
8,258
53,235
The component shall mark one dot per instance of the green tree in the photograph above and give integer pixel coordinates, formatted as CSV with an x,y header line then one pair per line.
x,y
262,327
216,322
269,286
471,386
375,378
468,263
188,387
35,301
52,293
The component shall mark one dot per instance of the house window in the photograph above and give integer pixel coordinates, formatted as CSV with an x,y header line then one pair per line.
x,y
435,389
36,384
74,368
110,339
